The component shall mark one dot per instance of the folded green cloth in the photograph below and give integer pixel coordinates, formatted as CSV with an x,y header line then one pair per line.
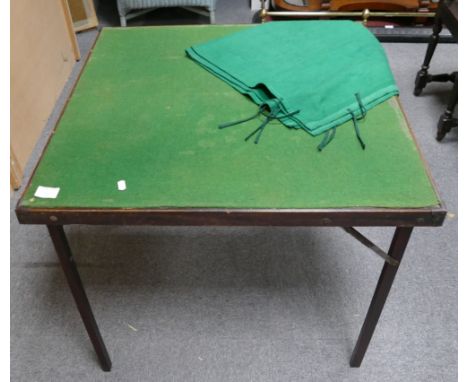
x,y
313,75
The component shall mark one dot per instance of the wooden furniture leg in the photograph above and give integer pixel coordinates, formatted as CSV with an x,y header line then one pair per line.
x,y
422,76
62,248
446,121
397,249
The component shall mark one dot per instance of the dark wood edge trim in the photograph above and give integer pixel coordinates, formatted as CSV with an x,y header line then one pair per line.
x,y
58,121
235,217
421,156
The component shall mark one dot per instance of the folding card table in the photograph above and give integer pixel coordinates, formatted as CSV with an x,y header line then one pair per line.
x,y
144,113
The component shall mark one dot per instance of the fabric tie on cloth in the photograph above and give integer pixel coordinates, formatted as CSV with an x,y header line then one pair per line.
x,y
274,113
312,75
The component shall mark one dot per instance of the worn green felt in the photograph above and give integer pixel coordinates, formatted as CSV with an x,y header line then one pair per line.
x,y
144,112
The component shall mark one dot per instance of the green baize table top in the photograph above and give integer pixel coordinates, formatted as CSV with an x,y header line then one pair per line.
x,y
143,112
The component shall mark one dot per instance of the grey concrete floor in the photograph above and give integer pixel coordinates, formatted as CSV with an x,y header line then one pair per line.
x,y
244,304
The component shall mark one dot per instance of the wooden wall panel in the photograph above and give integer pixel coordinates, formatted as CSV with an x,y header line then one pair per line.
x,y
15,171
42,55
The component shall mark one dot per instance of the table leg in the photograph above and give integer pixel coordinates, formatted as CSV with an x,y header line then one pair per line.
x,y
397,248
422,76
62,248
446,120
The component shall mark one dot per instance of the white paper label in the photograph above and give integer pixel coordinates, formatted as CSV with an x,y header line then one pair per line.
x,y
47,192
121,185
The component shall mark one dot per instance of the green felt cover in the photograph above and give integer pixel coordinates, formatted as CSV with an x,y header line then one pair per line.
x,y
145,113
323,70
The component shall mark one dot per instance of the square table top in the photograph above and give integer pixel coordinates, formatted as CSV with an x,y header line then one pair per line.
x,y
143,112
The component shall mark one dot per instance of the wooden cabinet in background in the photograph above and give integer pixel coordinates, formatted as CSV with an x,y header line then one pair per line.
x,y
83,14
42,55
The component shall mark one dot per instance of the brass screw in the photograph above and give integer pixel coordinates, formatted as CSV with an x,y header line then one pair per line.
x,y
365,16
263,14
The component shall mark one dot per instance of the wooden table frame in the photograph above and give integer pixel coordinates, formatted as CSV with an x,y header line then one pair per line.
x,y
403,219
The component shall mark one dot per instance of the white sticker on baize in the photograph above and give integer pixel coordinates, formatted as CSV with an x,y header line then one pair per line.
x,y
47,192
121,185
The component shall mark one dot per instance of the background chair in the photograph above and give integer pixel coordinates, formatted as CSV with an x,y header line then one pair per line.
x,y
346,5
447,14
297,5
386,5
129,9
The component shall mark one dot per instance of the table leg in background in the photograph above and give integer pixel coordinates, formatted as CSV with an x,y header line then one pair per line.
x,y
397,249
422,76
62,248
446,120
